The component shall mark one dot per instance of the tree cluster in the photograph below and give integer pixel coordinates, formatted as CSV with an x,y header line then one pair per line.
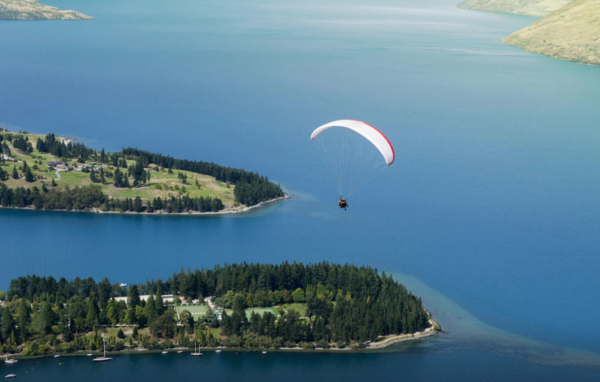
x,y
90,197
61,150
22,143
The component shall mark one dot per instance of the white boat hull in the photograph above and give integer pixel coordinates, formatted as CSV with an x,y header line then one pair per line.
x,y
102,359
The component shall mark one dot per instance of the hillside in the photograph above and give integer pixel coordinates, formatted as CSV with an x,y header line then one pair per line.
x,y
32,10
55,173
538,8
571,33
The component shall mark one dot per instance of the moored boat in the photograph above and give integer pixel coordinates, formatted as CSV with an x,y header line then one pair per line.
x,y
104,358
195,353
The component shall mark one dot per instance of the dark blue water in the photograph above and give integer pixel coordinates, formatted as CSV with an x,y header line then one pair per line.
x,y
491,211
418,364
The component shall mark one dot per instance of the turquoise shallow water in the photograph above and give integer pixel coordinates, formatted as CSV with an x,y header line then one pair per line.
x,y
491,211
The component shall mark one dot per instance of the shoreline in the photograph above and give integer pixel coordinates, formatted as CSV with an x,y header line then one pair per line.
x,y
387,342
395,339
240,210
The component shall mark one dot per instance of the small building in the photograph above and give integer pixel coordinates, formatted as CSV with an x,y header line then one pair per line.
x,y
167,298
54,163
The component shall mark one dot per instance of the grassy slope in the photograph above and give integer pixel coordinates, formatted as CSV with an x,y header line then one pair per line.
x,y
209,186
30,10
524,7
571,33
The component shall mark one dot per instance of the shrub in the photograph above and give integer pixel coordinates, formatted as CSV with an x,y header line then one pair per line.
x,y
323,344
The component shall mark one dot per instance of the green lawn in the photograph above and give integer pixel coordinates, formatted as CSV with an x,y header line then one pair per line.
x,y
197,311
300,308
260,311
113,331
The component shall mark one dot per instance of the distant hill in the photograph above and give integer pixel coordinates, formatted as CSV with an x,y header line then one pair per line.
x,y
571,33
523,7
32,10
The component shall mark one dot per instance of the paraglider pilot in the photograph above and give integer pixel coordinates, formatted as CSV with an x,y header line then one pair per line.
x,y
343,203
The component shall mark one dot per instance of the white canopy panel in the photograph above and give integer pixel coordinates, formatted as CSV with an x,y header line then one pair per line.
x,y
374,136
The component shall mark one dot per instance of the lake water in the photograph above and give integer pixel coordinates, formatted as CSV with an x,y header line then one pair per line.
x,y
491,212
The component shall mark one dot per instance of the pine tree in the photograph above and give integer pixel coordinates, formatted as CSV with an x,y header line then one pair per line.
x,y
151,308
158,301
53,183
23,316
93,176
28,175
15,174
133,296
118,178
7,325
48,316
137,204
102,179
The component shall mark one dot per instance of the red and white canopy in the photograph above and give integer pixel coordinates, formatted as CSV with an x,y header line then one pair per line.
x,y
374,136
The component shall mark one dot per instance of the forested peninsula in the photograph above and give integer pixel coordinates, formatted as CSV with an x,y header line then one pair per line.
x,y
237,306
55,173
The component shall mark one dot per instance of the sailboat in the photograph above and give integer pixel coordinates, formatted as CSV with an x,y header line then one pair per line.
x,y
195,353
10,361
104,358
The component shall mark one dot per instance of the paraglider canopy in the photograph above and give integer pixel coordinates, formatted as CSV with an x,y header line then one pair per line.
x,y
371,133
352,151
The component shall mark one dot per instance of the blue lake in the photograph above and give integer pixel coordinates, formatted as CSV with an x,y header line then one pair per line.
x,y
491,212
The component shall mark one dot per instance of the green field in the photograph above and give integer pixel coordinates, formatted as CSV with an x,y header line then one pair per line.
x,y
300,308
197,311
260,311
161,183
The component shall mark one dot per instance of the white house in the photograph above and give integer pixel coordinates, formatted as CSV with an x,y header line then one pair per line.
x,y
167,298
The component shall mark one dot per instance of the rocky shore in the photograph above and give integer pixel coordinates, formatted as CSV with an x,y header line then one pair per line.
x,y
32,10
538,8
